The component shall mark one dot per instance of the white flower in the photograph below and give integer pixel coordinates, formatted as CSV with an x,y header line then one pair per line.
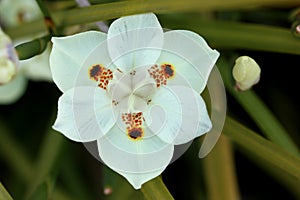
x,y
15,12
36,69
135,90
246,72
8,59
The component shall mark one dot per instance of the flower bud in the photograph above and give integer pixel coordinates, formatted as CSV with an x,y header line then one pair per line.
x,y
246,73
8,59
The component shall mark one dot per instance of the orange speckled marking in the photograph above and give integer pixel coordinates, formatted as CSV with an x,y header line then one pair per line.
x,y
101,74
133,122
161,73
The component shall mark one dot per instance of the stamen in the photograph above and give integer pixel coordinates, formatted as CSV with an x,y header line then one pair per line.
x,y
132,73
101,74
114,102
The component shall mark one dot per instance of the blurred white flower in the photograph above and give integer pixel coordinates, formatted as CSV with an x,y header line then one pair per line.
x,y
8,59
246,73
14,13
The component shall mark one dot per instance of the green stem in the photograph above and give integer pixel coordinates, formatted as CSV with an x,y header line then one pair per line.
x,y
259,112
220,174
47,17
4,195
218,33
236,35
263,149
273,159
116,9
156,189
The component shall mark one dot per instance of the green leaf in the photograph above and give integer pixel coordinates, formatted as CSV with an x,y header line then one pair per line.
x,y
237,35
263,149
113,10
29,49
4,195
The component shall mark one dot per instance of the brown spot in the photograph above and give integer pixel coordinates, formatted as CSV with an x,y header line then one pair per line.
x,y
95,72
135,133
168,70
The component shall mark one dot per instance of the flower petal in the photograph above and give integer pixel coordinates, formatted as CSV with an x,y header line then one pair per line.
x,y
12,91
135,41
137,160
195,119
136,180
178,115
69,53
191,57
84,114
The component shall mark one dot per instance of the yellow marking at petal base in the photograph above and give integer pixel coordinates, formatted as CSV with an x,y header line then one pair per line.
x,y
100,74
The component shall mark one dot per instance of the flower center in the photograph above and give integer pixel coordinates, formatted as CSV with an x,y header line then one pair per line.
x,y
132,91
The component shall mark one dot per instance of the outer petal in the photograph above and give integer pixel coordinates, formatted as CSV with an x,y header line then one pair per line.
x,y
191,57
69,53
178,115
12,91
137,160
84,114
135,41
136,180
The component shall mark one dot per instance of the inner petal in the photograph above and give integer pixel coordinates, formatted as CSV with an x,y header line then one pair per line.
x,y
133,90
132,103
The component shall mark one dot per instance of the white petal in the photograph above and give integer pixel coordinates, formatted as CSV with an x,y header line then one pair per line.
x,y
135,41
143,85
178,115
12,91
136,180
164,116
69,53
84,114
191,57
137,160
195,119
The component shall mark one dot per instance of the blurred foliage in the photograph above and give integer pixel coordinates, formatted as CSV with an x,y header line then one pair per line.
x,y
38,163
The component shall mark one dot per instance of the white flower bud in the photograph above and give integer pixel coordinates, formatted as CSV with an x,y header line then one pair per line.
x,y
8,59
246,73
